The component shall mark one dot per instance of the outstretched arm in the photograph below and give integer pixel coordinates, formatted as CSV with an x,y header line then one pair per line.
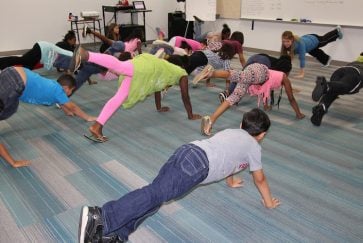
x,y
242,59
73,109
8,158
160,108
183,83
261,183
288,88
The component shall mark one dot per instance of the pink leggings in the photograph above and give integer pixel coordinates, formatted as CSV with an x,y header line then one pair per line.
x,y
120,68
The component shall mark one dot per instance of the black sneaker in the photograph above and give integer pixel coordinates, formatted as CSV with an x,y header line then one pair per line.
x,y
90,225
318,113
320,88
222,96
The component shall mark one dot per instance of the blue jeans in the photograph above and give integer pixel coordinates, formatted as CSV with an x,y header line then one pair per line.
x,y
62,62
86,71
11,88
184,170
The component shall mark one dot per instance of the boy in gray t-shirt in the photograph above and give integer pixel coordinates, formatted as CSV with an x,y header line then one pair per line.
x,y
199,162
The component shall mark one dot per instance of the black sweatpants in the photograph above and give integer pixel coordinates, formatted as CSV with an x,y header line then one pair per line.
x,y
345,80
28,60
197,59
318,53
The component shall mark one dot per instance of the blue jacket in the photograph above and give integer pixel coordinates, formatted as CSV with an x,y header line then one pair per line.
x,y
304,45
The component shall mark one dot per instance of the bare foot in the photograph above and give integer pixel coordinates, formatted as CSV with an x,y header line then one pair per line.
x,y
295,91
164,109
209,85
300,116
195,117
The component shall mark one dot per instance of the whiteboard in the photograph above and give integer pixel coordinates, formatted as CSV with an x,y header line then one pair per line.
x,y
339,12
204,9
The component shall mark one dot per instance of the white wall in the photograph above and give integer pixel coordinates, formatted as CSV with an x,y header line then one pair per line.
x,y
267,36
23,23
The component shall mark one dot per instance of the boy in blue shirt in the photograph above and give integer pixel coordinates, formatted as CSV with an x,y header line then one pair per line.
x,y
199,162
21,84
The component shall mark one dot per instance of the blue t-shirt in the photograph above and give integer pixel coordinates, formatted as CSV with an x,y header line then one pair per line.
x,y
42,91
304,45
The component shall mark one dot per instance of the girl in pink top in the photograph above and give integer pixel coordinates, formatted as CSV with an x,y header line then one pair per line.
x,y
255,78
177,41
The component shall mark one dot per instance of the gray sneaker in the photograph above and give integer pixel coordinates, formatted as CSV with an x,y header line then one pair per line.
x,y
204,74
76,59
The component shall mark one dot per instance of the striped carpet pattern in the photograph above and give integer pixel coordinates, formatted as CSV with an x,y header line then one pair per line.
x,y
316,172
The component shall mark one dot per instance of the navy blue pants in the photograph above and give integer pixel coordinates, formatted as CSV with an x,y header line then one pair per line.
x,y
184,170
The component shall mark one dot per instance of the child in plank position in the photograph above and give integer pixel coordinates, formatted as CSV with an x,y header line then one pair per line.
x,y
21,84
255,79
143,75
344,81
199,162
294,45
42,52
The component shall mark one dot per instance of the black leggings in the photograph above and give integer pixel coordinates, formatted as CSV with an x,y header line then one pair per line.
x,y
345,80
319,54
28,60
197,59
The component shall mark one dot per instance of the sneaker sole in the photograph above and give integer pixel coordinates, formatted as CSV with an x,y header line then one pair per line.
x,y
83,220
200,76
74,65
203,124
318,91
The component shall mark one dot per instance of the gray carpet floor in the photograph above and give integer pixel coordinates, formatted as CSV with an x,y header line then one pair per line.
x,y
316,172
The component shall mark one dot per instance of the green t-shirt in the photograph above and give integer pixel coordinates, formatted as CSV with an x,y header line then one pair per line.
x,y
151,74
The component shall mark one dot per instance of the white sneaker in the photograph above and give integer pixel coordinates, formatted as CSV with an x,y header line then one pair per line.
x,y
84,31
204,74
340,33
328,62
